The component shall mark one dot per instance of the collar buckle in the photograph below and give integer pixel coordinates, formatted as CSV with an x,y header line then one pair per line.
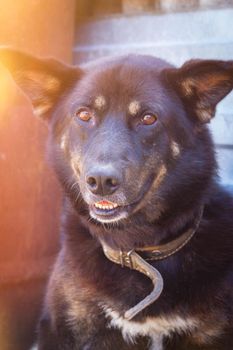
x,y
126,259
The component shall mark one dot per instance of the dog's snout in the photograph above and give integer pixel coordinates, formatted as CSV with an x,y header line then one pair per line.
x,y
103,180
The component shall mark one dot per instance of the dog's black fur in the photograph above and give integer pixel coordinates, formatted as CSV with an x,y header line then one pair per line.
x,y
117,155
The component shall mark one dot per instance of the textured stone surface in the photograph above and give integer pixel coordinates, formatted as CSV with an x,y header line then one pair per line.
x,y
105,7
177,5
224,157
156,31
137,6
215,3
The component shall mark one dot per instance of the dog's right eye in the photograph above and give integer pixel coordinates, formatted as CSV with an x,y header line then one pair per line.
x,y
149,119
84,114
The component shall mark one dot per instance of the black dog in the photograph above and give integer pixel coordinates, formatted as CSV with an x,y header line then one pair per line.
x,y
129,143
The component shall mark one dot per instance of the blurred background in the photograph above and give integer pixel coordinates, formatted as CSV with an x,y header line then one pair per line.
x,y
78,31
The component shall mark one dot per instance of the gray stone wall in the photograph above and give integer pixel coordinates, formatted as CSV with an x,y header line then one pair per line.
x,y
175,37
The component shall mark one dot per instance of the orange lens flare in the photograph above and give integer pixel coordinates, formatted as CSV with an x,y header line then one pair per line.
x,y
8,92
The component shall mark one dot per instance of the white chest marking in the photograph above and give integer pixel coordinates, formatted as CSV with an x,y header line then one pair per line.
x,y
35,347
156,343
154,327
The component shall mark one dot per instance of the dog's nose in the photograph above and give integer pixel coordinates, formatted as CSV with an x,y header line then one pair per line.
x,y
103,181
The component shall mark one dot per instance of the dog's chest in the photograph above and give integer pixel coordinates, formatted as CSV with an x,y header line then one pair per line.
x,y
155,327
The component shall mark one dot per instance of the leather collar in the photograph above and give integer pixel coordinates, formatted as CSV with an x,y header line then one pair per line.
x,y
134,261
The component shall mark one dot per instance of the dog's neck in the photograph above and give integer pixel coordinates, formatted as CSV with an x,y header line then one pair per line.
x,y
132,235
154,252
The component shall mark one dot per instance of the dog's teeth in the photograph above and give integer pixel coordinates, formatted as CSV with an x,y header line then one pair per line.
x,y
106,207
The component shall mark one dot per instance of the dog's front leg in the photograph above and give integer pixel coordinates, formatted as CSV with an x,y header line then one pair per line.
x,y
112,340
84,337
54,338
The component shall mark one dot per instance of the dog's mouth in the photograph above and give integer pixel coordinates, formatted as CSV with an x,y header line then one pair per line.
x,y
106,211
109,212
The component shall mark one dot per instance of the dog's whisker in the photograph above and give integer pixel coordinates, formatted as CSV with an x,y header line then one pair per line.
x,y
73,185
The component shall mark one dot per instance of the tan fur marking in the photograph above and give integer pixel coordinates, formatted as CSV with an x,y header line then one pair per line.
x,y
208,331
100,102
48,82
41,109
73,165
204,114
160,177
78,308
207,336
63,141
39,86
65,284
175,148
157,181
134,107
187,86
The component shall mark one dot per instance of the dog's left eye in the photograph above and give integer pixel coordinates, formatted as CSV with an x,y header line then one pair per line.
x,y
149,119
84,115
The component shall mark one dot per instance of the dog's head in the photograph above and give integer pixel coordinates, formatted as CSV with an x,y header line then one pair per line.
x,y
128,134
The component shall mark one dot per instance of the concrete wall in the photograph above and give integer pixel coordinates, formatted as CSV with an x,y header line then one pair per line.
x,y
175,37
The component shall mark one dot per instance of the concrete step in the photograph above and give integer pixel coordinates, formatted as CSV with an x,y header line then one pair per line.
x,y
153,32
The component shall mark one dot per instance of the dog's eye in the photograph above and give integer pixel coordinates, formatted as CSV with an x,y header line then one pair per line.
x,y
84,115
149,119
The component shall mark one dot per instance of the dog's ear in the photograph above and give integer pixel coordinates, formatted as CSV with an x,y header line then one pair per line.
x,y
202,84
42,80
